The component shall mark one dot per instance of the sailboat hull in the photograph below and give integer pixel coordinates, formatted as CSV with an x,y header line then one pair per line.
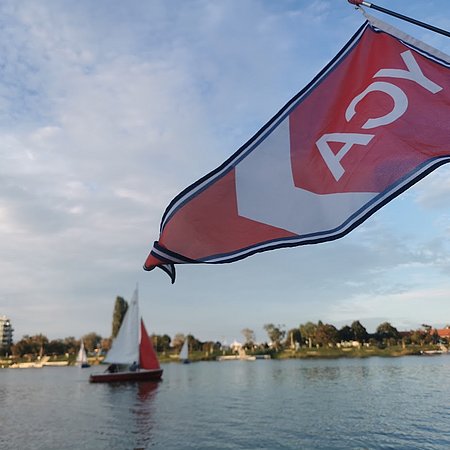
x,y
119,377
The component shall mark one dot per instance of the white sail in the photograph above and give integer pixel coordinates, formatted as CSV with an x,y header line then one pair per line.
x,y
82,357
125,347
184,353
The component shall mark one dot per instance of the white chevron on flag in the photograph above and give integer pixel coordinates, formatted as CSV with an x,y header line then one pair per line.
x,y
266,192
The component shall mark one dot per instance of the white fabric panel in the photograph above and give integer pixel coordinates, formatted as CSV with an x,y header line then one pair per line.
x,y
125,347
266,192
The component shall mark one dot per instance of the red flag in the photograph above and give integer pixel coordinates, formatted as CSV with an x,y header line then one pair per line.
x,y
374,122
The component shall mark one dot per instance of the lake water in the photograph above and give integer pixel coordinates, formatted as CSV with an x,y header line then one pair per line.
x,y
373,403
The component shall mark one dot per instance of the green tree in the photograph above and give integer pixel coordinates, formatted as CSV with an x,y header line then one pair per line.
x,y
194,344
417,337
30,345
275,333
72,345
360,334
294,338
161,342
345,334
22,347
120,308
105,344
178,341
249,336
165,342
92,341
326,334
56,347
387,333
308,331
209,347
435,337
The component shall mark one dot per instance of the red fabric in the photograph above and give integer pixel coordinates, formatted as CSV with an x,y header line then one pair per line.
x,y
147,355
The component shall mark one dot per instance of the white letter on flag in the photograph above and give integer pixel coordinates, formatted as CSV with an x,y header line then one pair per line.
x,y
348,139
397,95
413,73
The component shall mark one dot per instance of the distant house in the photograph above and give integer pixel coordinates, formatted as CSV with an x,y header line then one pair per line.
x,y
6,332
443,333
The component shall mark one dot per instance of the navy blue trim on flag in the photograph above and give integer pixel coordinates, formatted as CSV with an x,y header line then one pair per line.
x,y
168,256
170,270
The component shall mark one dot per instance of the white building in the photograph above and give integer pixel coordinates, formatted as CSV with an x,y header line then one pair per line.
x,y
6,332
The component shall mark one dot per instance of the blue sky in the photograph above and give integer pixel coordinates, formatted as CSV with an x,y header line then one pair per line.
x,y
110,109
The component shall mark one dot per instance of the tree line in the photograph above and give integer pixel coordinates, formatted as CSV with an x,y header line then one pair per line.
x,y
309,334
323,334
306,335
39,345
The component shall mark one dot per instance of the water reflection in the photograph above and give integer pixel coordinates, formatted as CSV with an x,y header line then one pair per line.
x,y
143,411
131,409
146,390
321,373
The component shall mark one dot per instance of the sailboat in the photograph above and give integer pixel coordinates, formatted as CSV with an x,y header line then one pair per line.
x,y
184,352
82,357
132,356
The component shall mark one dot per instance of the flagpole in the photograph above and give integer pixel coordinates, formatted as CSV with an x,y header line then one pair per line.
x,y
400,16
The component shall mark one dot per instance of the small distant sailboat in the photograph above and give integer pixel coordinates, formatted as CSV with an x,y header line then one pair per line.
x,y
82,360
184,352
132,356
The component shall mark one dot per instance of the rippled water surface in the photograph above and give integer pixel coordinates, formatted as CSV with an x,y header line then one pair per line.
x,y
374,403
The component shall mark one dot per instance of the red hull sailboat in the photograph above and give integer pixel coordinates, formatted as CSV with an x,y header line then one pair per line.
x,y
132,357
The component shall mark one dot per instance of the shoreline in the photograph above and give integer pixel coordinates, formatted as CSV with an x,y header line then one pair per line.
x,y
302,353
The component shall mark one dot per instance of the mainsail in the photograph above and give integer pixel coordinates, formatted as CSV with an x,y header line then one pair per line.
x,y
125,347
184,352
82,357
